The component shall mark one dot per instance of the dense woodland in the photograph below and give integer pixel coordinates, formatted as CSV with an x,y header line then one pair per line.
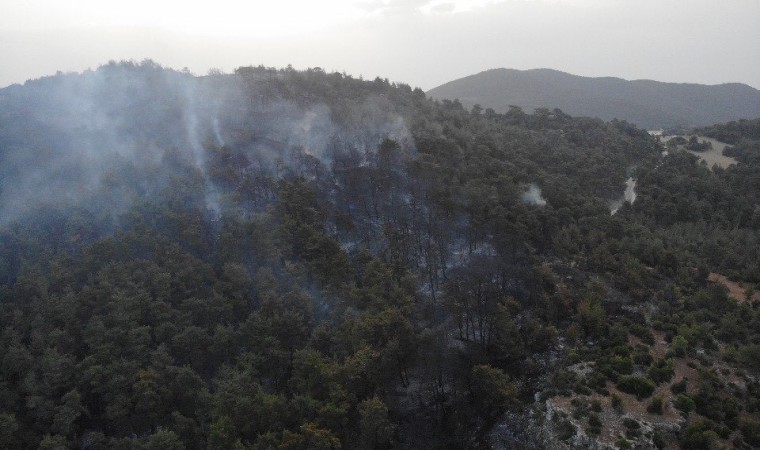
x,y
305,260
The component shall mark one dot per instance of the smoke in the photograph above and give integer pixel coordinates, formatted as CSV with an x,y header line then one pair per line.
x,y
217,133
532,196
107,138
629,196
193,130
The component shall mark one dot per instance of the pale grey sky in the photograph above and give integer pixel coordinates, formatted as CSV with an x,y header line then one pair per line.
x,y
420,42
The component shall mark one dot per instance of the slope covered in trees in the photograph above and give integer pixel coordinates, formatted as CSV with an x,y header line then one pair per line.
x,y
284,259
648,104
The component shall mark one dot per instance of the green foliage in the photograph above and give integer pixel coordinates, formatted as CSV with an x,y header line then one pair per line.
x,y
699,435
636,385
733,132
492,390
642,357
376,429
749,356
655,405
53,442
684,403
750,428
594,425
565,430
591,313
165,440
661,371
678,346
679,387
8,429
387,285
617,403
659,440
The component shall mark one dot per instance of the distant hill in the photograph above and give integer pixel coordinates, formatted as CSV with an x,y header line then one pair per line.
x,y
648,104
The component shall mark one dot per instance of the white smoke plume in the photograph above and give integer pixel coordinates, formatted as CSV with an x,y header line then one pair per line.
x,y
629,196
532,196
104,138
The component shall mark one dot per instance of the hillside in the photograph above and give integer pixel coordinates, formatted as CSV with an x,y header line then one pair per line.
x,y
648,104
282,259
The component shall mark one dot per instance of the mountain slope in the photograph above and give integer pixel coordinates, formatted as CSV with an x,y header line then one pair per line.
x,y
649,104
300,259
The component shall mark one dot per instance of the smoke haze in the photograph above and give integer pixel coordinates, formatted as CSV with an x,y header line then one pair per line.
x,y
108,137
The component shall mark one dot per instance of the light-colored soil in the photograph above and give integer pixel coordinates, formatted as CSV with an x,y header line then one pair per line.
x,y
714,156
632,407
735,290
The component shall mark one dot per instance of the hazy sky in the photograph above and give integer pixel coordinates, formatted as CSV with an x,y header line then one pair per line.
x,y
420,42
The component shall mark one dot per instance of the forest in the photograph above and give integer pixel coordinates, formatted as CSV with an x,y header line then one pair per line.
x,y
283,259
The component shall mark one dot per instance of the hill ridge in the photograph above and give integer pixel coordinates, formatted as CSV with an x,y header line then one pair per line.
x,y
647,103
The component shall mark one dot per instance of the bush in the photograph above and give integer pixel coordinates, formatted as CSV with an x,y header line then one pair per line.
x,y
642,357
580,408
750,428
617,404
638,386
565,430
655,406
661,371
596,380
699,435
659,440
581,388
631,424
642,332
622,365
679,346
563,381
680,387
684,403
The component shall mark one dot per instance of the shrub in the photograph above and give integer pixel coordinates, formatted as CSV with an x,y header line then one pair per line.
x,y
684,403
642,357
655,406
659,440
638,386
631,424
680,387
622,365
661,371
750,428
581,388
679,346
597,380
565,430
643,333
580,408
563,381
617,404
699,435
